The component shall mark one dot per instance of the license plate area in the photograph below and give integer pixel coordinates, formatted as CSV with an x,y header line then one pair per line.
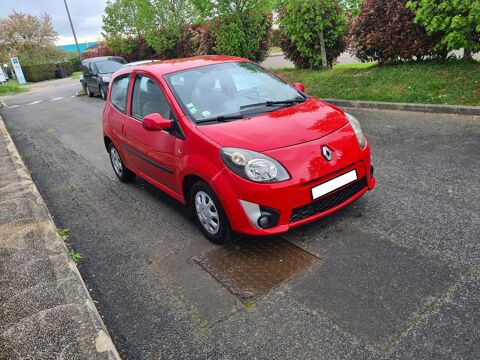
x,y
334,184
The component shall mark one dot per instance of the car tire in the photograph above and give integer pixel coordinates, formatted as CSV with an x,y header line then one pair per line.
x,y
103,93
89,93
210,215
122,172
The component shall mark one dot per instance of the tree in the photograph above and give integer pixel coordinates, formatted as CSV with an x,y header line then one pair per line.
x,y
239,27
458,22
352,7
159,22
385,31
312,31
31,38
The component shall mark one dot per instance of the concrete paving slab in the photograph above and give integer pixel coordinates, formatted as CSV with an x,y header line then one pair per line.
x,y
372,287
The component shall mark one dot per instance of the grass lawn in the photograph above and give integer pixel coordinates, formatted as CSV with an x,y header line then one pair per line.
x,y
453,83
11,87
76,75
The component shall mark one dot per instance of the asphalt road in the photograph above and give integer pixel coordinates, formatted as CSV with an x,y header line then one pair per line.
x,y
398,271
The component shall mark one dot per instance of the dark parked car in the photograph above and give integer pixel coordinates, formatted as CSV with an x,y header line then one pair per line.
x,y
97,72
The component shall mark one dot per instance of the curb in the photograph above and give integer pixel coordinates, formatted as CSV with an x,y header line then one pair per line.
x,y
429,108
46,309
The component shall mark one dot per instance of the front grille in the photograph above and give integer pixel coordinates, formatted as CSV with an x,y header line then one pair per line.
x,y
328,201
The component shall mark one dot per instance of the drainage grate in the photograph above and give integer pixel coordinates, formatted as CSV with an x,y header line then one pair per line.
x,y
252,266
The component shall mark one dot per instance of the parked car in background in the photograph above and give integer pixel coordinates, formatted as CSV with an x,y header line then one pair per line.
x,y
249,152
140,62
97,73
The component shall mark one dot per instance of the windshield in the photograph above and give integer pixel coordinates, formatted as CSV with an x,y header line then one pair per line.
x,y
108,66
230,91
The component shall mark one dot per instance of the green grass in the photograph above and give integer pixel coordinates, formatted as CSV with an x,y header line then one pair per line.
x,y
75,255
11,87
275,50
76,75
453,83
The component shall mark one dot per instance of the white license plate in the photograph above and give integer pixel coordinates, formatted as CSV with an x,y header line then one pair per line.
x,y
334,184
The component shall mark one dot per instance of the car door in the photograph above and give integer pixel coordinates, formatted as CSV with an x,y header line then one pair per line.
x,y
117,112
156,153
92,78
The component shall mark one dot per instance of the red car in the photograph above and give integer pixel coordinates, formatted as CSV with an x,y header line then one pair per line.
x,y
248,151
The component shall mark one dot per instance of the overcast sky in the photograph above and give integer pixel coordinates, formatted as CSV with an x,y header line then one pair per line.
x,y
86,16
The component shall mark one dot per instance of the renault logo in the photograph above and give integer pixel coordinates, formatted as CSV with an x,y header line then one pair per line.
x,y
327,152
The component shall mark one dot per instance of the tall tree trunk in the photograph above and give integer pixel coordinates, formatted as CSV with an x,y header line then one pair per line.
x,y
467,54
322,50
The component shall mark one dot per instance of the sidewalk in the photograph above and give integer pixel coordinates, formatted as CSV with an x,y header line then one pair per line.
x,y
45,309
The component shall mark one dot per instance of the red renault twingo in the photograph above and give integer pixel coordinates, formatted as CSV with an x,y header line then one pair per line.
x,y
248,151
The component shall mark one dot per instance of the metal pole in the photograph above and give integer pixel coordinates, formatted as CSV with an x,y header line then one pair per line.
x,y
73,30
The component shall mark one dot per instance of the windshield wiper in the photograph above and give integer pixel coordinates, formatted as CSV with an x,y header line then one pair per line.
x,y
221,118
274,103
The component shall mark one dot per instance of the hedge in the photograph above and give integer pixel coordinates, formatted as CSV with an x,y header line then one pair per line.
x,y
40,72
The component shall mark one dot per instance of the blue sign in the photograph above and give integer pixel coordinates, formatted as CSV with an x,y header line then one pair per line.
x,y
18,70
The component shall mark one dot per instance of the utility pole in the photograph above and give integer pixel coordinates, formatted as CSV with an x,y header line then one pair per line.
x,y
73,30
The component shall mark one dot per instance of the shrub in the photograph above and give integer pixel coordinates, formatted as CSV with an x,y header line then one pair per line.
x,y
275,37
301,23
385,32
457,23
245,35
40,72
141,51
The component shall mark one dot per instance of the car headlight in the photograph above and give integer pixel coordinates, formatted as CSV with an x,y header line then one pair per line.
x,y
105,79
253,166
362,141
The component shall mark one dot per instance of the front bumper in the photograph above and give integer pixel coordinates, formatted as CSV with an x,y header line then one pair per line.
x,y
293,198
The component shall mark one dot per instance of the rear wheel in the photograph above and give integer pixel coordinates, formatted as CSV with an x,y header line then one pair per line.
x,y
210,215
124,174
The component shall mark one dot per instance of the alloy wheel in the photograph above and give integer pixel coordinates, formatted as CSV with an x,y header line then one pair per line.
x,y
116,161
207,212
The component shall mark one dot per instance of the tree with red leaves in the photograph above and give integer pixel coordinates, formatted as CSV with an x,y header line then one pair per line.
x,y
385,31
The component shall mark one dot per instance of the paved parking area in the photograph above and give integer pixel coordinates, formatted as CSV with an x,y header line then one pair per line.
x,y
397,272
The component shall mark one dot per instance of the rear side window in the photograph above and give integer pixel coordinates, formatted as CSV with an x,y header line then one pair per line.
x,y
148,98
118,96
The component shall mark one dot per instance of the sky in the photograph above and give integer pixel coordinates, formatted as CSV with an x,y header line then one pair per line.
x,y
86,16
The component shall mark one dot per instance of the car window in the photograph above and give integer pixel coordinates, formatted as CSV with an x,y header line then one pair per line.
x,y
108,66
118,96
229,89
148,98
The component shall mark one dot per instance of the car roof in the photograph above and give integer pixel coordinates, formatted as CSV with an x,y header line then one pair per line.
x,y
170,66
101,58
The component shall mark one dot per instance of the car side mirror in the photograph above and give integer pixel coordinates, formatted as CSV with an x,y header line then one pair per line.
x,y
299,87
156,122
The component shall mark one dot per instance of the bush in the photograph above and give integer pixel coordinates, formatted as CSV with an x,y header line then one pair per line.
x,y
245,35
40,72
300,25
141,50
385,32
275,38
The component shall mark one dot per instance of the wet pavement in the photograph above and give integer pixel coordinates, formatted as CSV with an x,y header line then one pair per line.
x,y
393,276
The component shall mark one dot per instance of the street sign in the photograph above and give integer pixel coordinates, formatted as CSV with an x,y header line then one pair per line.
x,y
18,70
3,78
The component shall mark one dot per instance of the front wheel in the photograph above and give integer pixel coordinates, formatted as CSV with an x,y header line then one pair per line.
x,y
210,215
124,174
103,93
89,93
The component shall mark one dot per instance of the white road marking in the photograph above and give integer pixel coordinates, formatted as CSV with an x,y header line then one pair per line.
x,y
12,107
58,98
35,102
73,96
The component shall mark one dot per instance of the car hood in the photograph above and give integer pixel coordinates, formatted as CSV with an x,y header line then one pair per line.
x,y
297,124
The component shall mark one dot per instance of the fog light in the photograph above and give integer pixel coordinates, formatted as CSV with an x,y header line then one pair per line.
x,y
260,216
264,221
